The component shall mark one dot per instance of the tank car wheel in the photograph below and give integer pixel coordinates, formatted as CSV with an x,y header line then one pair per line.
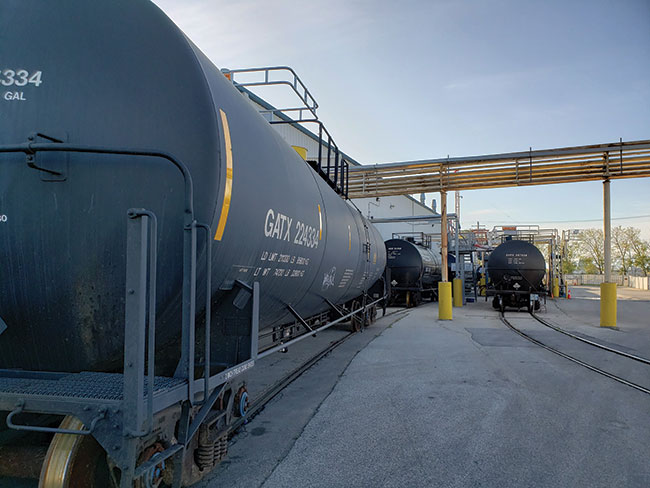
x,y
496,303
156,475
74,460
241,402
356,321
372,315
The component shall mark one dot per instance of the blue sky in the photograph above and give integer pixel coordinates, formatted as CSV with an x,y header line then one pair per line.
x,y
411,80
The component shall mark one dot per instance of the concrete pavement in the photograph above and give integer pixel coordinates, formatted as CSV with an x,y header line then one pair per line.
x,y
459,403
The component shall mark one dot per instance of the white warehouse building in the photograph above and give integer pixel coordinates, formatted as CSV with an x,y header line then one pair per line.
x,y
373,208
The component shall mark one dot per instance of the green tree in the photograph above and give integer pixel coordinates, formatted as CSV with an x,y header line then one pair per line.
x,y
588,266
623,240
641,255
590,250
570,258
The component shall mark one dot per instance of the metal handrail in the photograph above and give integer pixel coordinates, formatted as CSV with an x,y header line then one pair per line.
x,y
51,430
208,309
341,165
341,170
189,226
314,331
31,148
150,248
296,83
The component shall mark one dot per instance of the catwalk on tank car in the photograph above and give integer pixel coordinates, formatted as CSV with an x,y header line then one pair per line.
x,y
414,271
516,271
157,228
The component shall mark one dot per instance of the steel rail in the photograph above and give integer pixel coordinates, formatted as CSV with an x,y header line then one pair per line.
x,y
277,348
593,343
573,359
279,385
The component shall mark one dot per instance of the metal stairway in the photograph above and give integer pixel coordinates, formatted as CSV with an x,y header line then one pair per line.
x,y
469,277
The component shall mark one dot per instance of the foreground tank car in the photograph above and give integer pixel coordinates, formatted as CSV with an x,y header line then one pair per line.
x,y
141,83
414,271
516,270
103,103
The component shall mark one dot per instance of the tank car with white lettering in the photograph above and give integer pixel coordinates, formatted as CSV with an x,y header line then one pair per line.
x,y
415,271
516,271
118,77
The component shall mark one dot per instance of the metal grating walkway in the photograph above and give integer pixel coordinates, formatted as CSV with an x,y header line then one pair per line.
x,y
98,386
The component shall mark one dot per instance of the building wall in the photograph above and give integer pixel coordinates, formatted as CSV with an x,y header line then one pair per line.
x,y
639,282
295,137
396,206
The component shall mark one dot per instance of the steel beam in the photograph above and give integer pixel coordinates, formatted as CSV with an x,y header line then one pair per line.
x,y
549,166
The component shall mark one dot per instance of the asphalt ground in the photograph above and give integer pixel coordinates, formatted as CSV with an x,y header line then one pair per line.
x,y
414,401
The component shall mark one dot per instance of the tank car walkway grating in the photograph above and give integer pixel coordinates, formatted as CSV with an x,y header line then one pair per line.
x,y
88,385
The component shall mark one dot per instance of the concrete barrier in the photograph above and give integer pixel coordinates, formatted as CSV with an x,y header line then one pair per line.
x,y
639,282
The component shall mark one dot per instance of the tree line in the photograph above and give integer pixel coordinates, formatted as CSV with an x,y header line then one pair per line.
x,y
630,253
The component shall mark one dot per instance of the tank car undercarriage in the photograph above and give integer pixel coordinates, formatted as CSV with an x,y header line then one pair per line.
x,y
137,429
112,358
514,299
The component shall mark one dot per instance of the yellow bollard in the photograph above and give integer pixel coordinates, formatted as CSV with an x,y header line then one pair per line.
x,y
608,304
556,287
301,150
458,292
444,300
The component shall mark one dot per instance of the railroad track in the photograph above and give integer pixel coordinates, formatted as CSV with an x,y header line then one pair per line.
x,y
281,384
29,470
285,381
580,361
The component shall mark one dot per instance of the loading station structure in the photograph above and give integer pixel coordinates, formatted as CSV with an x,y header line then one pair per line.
x,y
604,162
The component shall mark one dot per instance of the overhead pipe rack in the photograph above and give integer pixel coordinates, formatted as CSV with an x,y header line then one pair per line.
x,y
565,165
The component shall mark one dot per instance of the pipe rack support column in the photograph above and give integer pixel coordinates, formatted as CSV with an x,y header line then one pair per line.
x,y
458,292
457,283
607,289
444,287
